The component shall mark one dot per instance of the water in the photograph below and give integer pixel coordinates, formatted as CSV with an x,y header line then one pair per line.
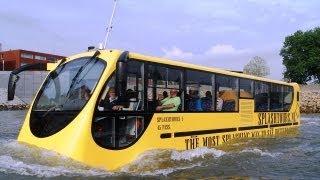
x,y
295,156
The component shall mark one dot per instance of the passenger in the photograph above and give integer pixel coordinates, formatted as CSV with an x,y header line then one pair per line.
x,y
112,102
206,102
193,101
219,102
165,94
85,92
161,97
170,103
130,101
130,97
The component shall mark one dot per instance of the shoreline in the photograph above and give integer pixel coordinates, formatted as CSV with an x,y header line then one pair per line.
x,y
309,100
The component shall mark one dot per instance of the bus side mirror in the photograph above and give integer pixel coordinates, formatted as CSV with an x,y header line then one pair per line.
x,y
13,79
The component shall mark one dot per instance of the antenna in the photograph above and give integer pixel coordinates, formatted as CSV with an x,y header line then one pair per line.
x,y
109,28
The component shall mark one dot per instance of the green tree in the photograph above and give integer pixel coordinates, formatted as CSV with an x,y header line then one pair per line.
x,y
301,56
257,67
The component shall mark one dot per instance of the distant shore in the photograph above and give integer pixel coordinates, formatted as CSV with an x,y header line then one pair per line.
x,y
309,99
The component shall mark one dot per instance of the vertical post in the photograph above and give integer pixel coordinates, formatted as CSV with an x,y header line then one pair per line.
x,y
2,65
110,25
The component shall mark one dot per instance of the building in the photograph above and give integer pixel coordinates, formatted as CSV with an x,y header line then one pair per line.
x,y
12,59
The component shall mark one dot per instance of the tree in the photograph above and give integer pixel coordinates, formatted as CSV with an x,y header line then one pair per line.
x,y
257,67
301,56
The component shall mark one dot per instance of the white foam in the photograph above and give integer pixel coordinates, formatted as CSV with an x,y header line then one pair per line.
x,y
196,153
260,152
312,123
164,162
25,160
10,165
167,171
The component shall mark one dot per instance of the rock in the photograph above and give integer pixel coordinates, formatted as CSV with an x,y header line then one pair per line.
x,y
16,104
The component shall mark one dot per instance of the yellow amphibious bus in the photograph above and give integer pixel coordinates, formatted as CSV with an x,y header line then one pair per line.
x,y
105,107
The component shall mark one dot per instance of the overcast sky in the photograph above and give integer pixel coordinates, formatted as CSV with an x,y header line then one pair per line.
x,y
215,33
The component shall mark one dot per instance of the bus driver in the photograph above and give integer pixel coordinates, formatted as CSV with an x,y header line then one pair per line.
x,y
170,103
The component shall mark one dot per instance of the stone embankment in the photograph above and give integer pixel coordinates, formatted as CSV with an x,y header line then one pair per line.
x,y
309,98
16,104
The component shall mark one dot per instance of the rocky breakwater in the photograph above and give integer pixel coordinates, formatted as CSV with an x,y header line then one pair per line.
x,y
16,104
310,99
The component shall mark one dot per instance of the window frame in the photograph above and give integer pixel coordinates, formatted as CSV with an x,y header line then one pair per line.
x,y
213,90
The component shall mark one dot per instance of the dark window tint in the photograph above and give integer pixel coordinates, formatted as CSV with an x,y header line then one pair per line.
x,y
117,131
246,88
261,97
276,98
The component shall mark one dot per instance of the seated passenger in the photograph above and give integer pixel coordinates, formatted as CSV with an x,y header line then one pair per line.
x,y
112,102
170,103
206,102
164,94
130,101
193,101
87,94
219,102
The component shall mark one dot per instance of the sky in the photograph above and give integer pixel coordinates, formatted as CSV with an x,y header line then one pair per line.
x,y
214,33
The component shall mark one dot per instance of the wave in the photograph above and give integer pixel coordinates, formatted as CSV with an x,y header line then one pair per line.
x,y
312,123
16,158
164,162
25,160
11,165
260,152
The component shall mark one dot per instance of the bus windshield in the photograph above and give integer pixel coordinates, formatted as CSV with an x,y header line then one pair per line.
x,y
70,86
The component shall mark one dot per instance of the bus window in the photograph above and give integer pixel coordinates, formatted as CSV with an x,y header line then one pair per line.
x,y
134,96
103,131
246,88
109,97
129,129
64,93
227,93
132,100
117,131
162,81
198,91
276,98
287,97
261,98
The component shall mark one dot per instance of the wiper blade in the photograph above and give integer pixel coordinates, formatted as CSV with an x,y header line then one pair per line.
x,y
97,53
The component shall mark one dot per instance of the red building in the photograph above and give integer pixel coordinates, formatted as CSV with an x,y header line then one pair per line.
x,y
12,59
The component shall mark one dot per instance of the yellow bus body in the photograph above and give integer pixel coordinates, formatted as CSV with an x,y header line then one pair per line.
x,y
76,141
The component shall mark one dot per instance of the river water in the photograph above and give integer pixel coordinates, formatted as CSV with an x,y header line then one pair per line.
x,y
294,156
